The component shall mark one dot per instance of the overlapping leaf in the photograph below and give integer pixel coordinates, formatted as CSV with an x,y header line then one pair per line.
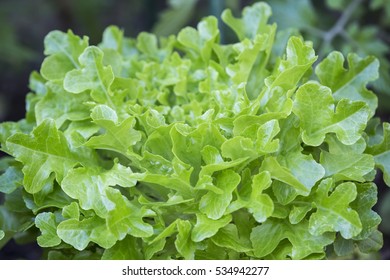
x,y
347,119
63,50
89,186
118,136
44,153
94,76
333,211
351,83
303,242
46,222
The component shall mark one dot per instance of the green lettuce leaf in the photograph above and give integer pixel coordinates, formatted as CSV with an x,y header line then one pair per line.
x,y
349,83
333,213
47,223
80,233
42,160
347,119
266,237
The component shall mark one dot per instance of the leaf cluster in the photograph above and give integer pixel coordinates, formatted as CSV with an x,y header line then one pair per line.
x,y
184,148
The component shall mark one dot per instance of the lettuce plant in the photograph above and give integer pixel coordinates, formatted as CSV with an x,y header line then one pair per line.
x,y
183,148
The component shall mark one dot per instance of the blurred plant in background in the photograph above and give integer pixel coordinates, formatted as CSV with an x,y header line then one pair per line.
x,y
359,26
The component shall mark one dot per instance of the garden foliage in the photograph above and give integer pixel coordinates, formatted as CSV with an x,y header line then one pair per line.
x,y
181,148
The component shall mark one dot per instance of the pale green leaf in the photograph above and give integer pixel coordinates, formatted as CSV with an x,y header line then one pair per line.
x,y
80,233
185,246
93,76
158,243
252,58
254,20
366,199
126,249
88,188
205,227
293,14
60,105
347,166
266,237
349,83
66,45
187,143
118,136
348,119
343,247
298,213
47,223
44,152
333,210
112,38
56,66
275,96
214,205
304,168
11,179
147,44
89,185
373,243
200,41
228,237
238,147
127,217
283,174
71,211
260,205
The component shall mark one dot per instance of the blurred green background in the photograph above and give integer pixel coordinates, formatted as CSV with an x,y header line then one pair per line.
x,y
361,26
